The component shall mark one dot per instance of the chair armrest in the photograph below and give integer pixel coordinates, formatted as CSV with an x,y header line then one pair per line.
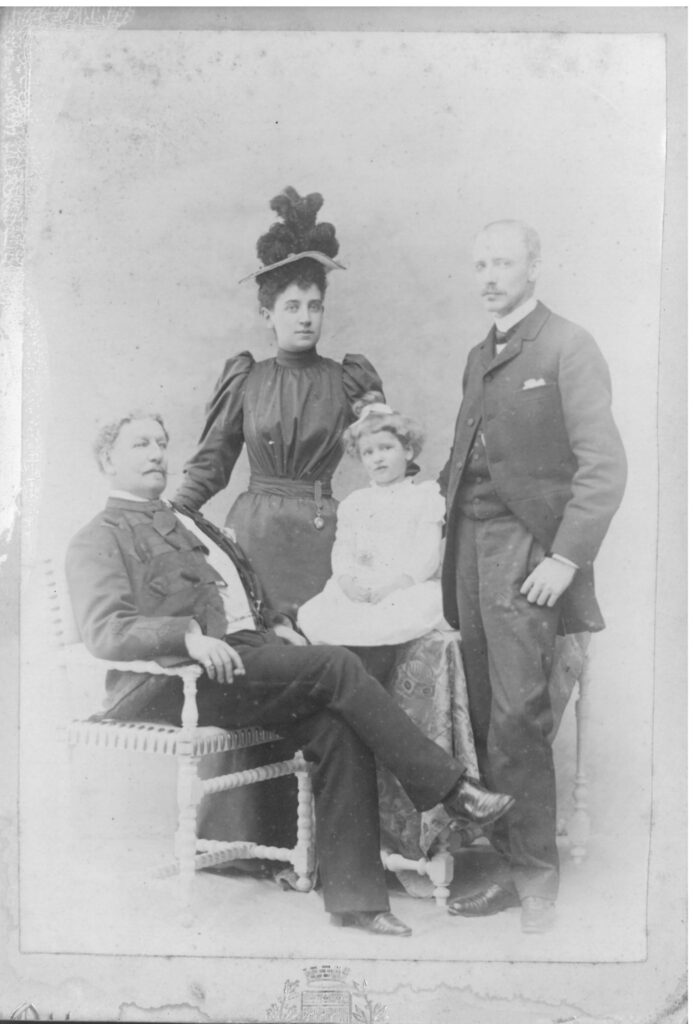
x,y
168,665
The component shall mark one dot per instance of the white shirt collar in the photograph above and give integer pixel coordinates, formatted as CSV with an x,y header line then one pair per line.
x,y
126,495
505,323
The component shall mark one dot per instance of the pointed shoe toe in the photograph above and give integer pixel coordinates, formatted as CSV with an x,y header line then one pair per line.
x,y
382,923
470,802
491,900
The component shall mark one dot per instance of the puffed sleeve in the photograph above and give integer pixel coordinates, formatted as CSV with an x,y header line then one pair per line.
x,y
208,471
424,553
358,377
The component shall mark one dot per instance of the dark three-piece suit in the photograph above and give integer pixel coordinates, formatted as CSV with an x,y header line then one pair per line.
x,y
138,577
537,467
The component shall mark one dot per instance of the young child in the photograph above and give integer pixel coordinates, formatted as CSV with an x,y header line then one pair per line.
x,y
387,548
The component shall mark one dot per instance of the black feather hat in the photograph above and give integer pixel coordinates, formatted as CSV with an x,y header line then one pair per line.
x,y
296,236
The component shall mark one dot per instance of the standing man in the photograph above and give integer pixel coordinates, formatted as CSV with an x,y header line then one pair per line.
x,y
536,472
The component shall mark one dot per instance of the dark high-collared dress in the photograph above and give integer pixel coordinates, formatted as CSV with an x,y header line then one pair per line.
x,y
290,412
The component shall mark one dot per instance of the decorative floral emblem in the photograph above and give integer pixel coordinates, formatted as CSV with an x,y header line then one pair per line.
x,y
328,998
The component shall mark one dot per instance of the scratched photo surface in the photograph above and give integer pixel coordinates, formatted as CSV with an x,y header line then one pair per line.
x,y
151,152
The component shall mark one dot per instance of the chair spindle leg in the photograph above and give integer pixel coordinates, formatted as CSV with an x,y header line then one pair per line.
x,y
579,826
302,858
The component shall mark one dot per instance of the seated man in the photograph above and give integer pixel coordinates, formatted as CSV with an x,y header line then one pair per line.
x,y
149,579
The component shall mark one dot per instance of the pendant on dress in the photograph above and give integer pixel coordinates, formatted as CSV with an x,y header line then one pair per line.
x,y
318,521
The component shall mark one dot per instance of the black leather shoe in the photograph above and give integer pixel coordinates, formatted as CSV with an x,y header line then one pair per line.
x,y
491,900
378,922
537,914
471,802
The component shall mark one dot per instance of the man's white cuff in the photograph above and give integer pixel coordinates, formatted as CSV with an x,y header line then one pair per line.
x,y
564,561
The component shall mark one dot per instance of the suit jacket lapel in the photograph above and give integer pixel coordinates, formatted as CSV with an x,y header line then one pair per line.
x,y
531,325
510,351
487,350
527,330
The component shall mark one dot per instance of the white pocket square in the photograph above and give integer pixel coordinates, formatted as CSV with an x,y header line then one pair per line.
x,y
528,385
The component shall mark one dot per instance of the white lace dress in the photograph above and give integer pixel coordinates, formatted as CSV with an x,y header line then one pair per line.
x,y
382,533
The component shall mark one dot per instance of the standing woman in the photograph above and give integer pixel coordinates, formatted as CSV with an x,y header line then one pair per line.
x,y
290,412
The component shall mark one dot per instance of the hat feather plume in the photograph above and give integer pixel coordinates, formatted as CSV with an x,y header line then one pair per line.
x,y
296,231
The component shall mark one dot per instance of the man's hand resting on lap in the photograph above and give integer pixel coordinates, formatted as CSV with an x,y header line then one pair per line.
x,y
220,661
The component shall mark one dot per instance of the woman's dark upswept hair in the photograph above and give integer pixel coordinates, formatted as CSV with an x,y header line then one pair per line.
x,y
295,232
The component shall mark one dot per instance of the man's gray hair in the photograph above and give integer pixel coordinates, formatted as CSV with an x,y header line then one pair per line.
x,y
108,432
530,235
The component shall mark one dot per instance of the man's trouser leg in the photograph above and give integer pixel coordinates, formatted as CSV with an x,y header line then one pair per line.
x,y
284,684
348,834
343,719
508,645
322,698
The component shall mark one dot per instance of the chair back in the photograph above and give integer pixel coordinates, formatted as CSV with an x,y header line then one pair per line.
x,y
61,619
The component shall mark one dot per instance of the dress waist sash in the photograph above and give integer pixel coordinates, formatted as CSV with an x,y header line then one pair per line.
x,y
287,488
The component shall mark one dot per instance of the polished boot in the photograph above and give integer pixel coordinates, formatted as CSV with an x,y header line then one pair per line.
x,y
537,914
491,900
380,922
469,801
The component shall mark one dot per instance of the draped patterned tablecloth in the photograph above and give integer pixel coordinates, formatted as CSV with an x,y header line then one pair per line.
x,y
428,682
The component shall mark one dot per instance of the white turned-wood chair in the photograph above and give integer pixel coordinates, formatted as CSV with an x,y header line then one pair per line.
x,y
572,670
189,744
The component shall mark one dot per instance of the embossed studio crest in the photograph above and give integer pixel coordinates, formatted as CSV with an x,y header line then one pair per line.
x,y
328,997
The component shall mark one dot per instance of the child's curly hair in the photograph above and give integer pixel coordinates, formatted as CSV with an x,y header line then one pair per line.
x,y
373,415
